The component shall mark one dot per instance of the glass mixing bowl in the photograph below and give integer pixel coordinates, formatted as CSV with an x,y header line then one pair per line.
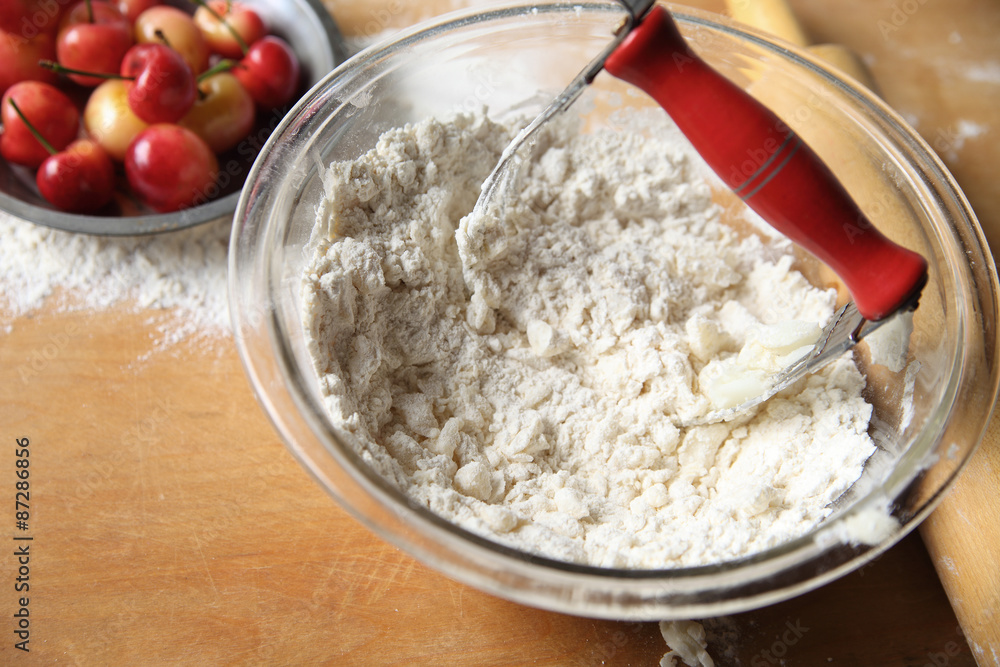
x,y
513,59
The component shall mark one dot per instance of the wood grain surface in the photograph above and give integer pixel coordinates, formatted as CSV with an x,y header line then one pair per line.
x,y
171,526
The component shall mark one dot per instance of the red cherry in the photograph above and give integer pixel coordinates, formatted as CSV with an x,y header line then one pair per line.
x,y
94,37
170,168
90,11
229,27
269,72
51,113
80,179
19,59
163,87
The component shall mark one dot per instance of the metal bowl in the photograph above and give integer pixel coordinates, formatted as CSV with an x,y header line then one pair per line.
x,y
307,26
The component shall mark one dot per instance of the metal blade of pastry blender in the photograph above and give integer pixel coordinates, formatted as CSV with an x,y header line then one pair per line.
x,y
845,330
496,182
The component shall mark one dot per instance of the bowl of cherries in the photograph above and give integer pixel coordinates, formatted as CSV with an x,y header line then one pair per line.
x,y
129,117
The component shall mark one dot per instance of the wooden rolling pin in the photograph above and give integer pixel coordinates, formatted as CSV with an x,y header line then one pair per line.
x,y
963,535
777,18
963,539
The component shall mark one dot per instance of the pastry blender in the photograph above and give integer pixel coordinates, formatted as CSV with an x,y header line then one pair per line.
x,y
767,165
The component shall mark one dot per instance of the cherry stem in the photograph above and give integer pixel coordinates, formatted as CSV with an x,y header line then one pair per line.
x,y
232,31
90,11
62,69
160,35
31,128
221,66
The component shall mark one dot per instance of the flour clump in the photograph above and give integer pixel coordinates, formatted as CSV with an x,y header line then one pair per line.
x,y
528,381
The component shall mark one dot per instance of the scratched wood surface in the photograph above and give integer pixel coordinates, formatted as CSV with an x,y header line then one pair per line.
x,y
171,526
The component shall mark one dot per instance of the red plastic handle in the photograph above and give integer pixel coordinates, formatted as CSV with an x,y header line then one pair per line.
x,y
768,166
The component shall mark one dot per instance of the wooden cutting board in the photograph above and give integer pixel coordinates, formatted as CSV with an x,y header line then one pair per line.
x,y
171,526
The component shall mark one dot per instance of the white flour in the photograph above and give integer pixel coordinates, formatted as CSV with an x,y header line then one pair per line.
x,y
539,409
686,642
181,275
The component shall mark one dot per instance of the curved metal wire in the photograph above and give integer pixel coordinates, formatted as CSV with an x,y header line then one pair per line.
x,y
501,173
637,8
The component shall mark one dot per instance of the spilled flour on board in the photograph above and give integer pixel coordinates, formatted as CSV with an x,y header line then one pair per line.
x,y
178,279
